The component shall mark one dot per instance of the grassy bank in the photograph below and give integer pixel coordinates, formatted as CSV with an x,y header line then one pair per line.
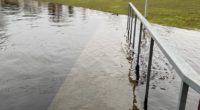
x,y
178,13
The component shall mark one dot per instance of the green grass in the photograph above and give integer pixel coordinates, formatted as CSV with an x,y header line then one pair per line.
x,y
177,13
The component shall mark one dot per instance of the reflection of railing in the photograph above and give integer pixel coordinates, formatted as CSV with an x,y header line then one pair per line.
x,y
188,76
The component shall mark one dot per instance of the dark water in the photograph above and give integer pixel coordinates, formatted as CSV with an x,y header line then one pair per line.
x,y
39,44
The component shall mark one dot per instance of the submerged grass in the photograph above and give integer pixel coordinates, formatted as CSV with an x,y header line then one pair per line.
x,y
177,13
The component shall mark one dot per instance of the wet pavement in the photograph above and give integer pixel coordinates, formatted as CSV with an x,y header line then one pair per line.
x,y
98,80
165,83
61,57
47,47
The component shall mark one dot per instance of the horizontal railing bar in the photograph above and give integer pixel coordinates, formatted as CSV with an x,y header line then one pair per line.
x,y
185,71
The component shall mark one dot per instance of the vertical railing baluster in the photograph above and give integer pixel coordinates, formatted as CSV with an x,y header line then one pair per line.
x,y
129,23
138,55
134,32
128,17
131,29
148,74
183,96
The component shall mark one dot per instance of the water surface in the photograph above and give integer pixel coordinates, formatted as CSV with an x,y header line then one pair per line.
x,y
165,82
39,44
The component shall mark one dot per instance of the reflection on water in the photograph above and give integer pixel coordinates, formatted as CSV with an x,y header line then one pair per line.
x,y
70,11
84,14
12,6
2,22
32,7
10,3
56,12
39,44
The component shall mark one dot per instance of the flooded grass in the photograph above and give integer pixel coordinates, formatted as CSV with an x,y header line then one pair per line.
x,y
178,13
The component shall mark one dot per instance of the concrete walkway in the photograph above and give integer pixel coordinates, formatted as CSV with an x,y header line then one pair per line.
x,y
99,79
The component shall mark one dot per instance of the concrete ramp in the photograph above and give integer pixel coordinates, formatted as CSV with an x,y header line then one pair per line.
x,y
99,79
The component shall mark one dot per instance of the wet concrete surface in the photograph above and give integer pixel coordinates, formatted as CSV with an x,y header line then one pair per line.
x,y
165,82
40,43
48,50
98,80
60,57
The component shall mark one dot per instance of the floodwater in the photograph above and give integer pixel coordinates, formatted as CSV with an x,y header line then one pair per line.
x,y
42,43
165,83
61,57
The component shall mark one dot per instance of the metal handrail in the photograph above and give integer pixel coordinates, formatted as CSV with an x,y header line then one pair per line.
x,y
189,77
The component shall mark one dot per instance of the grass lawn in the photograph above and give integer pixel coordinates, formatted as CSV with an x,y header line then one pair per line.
x,y
177,13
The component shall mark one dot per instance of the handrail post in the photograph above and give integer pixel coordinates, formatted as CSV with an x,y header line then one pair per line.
x,y
128,23
128,17
137,68
134,32
148,74
183,96
131,28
